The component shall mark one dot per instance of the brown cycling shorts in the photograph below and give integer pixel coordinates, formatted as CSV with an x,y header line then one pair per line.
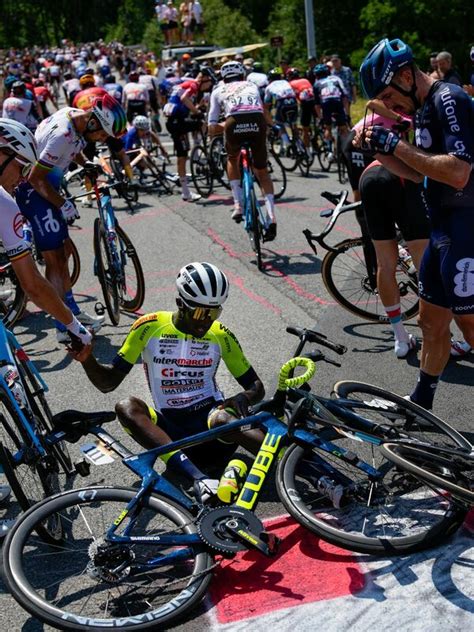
x,y
247,128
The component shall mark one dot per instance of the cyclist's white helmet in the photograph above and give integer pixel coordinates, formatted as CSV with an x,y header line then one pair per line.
x,y
141,122
232,70
202,285
19,139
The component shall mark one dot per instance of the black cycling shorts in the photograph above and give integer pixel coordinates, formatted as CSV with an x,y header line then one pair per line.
x,y
307,112
356,160
247,128
333,112
286,111
179,128
388,201
135,108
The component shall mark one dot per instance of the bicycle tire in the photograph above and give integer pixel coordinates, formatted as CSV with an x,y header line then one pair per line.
x,y
278,175
361,525
25,580
127,250
395,417
345,276
30,479
106,273
286,155
430,465
14,304
218,161
254,229
201,172
74,262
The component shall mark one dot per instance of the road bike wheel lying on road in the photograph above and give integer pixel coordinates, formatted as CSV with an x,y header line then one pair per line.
x,y
132,287
201,172
99,585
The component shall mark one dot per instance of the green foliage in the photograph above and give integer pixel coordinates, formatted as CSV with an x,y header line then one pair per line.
x,y
227,27
153,37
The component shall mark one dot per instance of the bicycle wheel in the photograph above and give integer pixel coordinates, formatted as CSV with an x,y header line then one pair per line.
x,y
98,585
132,289
395,514
201,173
254,229
106,273
30,477
13,300
277,174
305,160
218,161
285,153
74,261
341,163
394,417
345,276
451,472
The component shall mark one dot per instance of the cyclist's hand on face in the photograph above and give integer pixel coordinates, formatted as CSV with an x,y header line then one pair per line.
x,y
239,403
381,140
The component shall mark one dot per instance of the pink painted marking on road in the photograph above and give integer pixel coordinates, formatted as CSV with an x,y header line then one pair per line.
x,y
306,570
239,282
298,289
224,245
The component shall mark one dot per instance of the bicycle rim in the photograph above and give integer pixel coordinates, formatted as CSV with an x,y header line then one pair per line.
x,y
218,161
106,273
132,290
397,514
74,263
345,276
13,300
277,174
200,171
453,473
89,594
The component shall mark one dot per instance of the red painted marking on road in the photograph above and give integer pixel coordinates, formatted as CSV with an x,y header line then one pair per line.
x,y
306,570
239,282
224,245
297,287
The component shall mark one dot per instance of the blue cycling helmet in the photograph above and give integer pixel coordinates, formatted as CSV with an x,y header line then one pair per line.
x,y
380,65
321,71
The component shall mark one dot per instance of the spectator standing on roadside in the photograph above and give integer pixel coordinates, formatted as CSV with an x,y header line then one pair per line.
x,y
347,78
312,62
433,70
446,71
172,13
161,11
197,22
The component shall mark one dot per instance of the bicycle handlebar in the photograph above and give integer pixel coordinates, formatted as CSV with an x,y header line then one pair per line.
x,y
284,381
308,335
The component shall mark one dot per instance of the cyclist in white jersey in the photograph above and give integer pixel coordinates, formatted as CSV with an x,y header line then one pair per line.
x,y
240,104
18,108
61,137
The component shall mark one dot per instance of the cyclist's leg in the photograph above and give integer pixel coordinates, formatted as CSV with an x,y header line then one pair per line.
x,y
232,146
151,429
259,154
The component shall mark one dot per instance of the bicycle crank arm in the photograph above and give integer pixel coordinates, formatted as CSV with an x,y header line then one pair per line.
x,y
267,543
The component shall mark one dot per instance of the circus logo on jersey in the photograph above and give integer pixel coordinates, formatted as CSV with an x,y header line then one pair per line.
x,y
18,225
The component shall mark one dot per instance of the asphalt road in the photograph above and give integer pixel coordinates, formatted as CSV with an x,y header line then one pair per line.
x,y
169,233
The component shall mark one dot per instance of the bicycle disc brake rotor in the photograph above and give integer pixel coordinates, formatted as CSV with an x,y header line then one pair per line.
x,y
213,528
109,562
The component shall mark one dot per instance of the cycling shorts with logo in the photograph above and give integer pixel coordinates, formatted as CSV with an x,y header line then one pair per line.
x,y
48,225
333,111
286,110
247,128
389,202
447,267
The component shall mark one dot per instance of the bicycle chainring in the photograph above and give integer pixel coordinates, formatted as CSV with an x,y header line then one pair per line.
x,y
213,531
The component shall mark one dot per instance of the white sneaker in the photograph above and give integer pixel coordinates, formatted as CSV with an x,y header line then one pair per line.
x,y
237,214
5,526
193,197
459,348
94,323
403,348
205,489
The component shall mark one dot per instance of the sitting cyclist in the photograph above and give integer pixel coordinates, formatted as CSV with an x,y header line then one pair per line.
x,y
181,351
305,95
141,135
281,96
330,96
239,101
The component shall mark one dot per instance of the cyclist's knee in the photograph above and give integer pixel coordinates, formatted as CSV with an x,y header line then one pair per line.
x,y
130,412
432,326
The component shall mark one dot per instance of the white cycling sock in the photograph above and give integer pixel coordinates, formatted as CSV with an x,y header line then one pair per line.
x,y
394,314
270,206
185,187
236,192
